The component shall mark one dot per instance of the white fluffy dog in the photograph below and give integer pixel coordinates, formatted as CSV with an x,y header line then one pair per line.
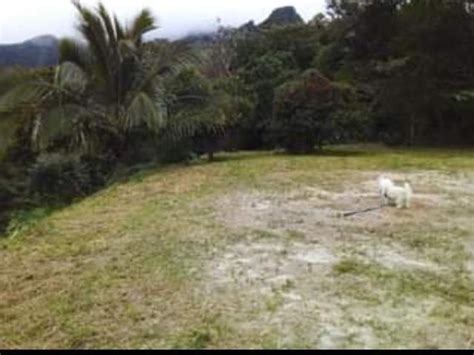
x,y
394,195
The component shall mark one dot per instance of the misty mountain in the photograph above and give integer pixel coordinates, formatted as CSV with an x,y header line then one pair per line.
x,y
40,51
281,16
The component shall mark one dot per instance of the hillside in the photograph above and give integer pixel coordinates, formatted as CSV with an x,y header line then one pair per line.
x,y
250,252
38,52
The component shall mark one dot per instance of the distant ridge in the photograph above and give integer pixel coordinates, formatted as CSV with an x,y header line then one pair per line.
x,y
41,51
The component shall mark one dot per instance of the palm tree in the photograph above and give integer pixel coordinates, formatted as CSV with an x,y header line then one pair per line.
x,y
25,95
111,83
105,85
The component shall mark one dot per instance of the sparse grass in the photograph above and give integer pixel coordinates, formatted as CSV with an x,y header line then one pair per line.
x,y
21,222
264,234
274,302
454,287
292,234
202,335
349,266
126,267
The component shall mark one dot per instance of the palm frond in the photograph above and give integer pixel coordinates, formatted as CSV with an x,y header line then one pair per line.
x,y
196,121
108,23
143,23
92,29
72,51
70,76
120,31
79,124
23,95
126,48
143,110
54,123
8,126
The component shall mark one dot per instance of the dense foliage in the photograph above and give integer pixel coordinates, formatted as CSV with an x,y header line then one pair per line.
x,y
302,112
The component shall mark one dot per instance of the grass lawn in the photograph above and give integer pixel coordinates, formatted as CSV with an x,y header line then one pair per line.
x,y
250,252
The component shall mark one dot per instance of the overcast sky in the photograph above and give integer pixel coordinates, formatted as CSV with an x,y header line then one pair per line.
x,y
23,19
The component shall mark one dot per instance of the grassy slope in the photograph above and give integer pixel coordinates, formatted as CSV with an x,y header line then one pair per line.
x,y
121,268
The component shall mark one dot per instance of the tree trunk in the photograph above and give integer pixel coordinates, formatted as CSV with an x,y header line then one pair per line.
x,y
210,156
411,141
442,129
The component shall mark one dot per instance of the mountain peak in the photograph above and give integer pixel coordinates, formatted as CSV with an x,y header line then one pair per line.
x,y
43,41
285,15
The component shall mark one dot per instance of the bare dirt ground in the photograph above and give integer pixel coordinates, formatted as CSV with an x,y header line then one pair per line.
x,y
251,252
303,276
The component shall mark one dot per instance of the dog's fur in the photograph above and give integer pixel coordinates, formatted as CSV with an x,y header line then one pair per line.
x,y
394,195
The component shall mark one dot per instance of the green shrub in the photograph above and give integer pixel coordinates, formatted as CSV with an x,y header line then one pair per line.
x,y
302,112
13,192
58,178
22,221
